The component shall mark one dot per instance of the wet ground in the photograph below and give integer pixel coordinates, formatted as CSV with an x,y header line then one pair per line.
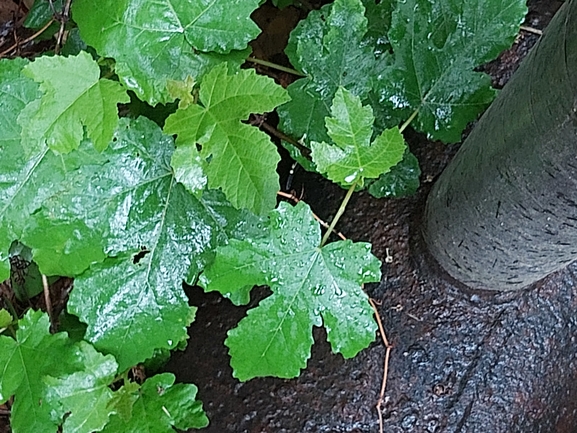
x,y
462,361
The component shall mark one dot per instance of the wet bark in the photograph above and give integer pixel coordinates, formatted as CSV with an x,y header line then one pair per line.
x,y
503,215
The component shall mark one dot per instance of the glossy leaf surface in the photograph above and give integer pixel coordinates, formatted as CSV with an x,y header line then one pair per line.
x,y
353,158
154,42
74,99
401,181
328,47
242,159
437,46
16,91
83,399
24,362
311,286
160,407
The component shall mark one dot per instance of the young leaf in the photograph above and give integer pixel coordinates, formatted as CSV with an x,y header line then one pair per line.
x,y
437,46
153,42
74,98
5,319
83,398
242,160
328,46
310,285
355,158
23,363
160,407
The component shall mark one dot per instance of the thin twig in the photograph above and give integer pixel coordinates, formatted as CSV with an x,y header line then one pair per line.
x,y
321,222
275,66
532,30
305,152
388,347
47,298
63,20
25,41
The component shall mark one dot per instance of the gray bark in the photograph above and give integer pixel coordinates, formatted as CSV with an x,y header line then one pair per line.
x,y
503,214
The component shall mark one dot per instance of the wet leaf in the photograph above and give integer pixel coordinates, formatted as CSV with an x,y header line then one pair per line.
x,y
401,181
83,399
437,46
241,159
328,46
311,286
354,158
24,362
5,319
160,407
16,91
153,42
74,100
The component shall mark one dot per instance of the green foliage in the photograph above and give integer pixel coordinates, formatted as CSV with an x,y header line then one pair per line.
x,y
74,99
354,158
130,214
437,46
311,286
154,42
56,381
242,158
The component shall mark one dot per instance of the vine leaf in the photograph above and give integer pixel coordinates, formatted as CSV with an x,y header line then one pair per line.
x,y
83,398
328,47
437,46
24,362
159,406
154,42
355,158
310,285
242,159
16,91
401,181
74,99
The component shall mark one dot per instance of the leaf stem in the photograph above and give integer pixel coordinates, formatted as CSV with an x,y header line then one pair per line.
x,y
275,66
409,120
339,214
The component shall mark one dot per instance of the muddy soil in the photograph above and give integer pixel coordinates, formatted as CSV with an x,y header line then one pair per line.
x,y
463,361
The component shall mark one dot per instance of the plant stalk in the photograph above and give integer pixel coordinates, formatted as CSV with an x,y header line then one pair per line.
x,y
339,213
409,120
275,66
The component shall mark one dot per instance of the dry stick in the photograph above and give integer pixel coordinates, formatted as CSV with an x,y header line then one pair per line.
x,y
532,30
47,297
306,152
386,365
321,222
25,41
64,18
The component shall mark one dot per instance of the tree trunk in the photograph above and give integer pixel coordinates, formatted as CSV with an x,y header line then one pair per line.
x,y
504,213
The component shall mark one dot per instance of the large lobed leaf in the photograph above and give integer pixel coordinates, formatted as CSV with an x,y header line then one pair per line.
x,y
154,42
353,157
310,285
329,48
437,45
241,159
74,99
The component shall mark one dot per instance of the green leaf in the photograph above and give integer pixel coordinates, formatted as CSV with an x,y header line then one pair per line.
x,y
128,204
310,285
74,99
161,407
82,399
241,159
43,11
329,48
24,362
153,42
5,319
355,158
437,46
401,181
